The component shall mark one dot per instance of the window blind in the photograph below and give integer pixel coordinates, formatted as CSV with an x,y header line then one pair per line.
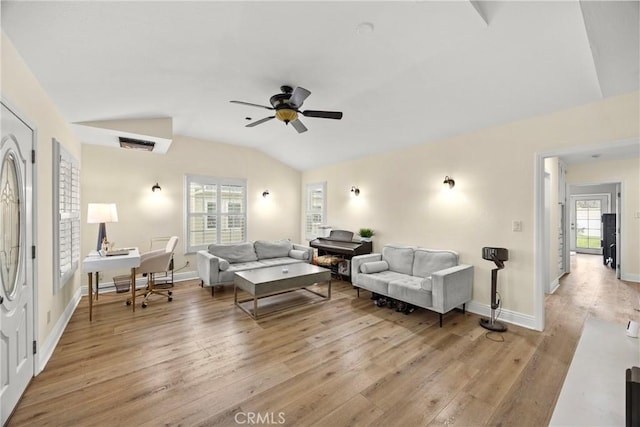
x,y
216,211
315,208
66,194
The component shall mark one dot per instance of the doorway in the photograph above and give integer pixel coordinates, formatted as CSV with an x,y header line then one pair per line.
x,y
623,149
17,291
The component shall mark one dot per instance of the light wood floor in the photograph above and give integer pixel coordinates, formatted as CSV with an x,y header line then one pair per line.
x,y
201,361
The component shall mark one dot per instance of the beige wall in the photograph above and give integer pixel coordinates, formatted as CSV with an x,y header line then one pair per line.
x,y
21,89
404,201
125,177
626,172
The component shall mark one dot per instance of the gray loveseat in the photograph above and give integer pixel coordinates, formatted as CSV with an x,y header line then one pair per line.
x,y
426,278
217,265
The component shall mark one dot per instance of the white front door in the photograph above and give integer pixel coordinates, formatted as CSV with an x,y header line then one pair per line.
x,y
586,222
16,265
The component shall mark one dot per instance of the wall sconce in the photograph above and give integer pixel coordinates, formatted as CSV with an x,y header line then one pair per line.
x,y
355,190
265,193
155,187
448,180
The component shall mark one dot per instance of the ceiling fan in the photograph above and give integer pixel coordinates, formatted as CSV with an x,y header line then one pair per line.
x,y
287,108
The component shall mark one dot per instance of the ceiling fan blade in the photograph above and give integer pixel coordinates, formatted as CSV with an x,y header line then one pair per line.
x,y
252,105
298,96
337,115
297,124
257,122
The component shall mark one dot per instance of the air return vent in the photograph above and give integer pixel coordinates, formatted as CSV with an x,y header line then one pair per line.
x,y
136,144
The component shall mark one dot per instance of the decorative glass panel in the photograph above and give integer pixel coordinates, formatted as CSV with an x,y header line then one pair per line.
x,y
10,244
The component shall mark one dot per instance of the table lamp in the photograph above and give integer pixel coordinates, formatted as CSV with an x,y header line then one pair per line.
x,y
101,213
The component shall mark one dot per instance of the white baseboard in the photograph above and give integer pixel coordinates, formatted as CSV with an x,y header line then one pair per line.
x,y
508,316
554,285
45,349
630,277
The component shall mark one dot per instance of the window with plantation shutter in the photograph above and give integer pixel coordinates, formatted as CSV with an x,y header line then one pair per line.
x,y
66,206
315,208
216,211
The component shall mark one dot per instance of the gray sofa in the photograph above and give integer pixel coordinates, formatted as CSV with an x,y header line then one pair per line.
x,y
217,265
426,278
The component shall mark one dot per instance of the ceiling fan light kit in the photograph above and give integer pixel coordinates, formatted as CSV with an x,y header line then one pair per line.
x,y
287,108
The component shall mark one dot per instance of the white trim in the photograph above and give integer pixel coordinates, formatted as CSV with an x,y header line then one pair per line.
x,y
540,261
508,316
630,277
554,286
46,349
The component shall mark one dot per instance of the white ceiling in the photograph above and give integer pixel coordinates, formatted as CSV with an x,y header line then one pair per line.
x,y
427,71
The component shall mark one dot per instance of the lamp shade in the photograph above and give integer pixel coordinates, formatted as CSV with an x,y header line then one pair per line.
x,y
101,212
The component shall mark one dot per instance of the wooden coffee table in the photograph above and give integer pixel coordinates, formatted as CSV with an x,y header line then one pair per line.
x,y
268,281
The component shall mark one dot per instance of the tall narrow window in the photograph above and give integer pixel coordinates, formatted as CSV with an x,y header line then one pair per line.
x,y
216,211
315,209
66,206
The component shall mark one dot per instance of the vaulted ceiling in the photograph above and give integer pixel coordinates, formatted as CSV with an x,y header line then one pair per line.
x,y
402,73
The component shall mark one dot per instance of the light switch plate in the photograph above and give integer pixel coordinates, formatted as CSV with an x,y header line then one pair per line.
x,y
516,225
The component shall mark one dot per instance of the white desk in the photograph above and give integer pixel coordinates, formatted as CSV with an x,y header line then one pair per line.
x,y
593,392
93,264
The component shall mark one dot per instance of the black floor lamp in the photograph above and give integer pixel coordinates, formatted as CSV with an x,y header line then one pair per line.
x,y
498,256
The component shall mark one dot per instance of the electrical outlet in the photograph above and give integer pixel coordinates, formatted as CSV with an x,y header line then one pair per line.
x,y
516,226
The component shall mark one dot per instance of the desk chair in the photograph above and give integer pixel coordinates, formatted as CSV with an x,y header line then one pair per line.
x,y
153,262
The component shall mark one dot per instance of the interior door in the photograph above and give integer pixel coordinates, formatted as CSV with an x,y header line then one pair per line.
x,y
16,268
586,225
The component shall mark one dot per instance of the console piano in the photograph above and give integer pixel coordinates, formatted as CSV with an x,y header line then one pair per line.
x,y
340,243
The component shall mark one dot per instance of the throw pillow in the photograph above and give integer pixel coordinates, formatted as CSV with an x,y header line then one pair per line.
x,y
427,261
272,249
400,258
223,265
374,267
236,252
298,254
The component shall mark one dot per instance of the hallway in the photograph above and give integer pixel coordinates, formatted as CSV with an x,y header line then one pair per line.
x,y
591,289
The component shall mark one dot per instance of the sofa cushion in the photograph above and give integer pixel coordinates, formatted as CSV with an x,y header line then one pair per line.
x,y
223,264
298,254
427,261
409,289
236,252
272,249
374,267
378,282
399,258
